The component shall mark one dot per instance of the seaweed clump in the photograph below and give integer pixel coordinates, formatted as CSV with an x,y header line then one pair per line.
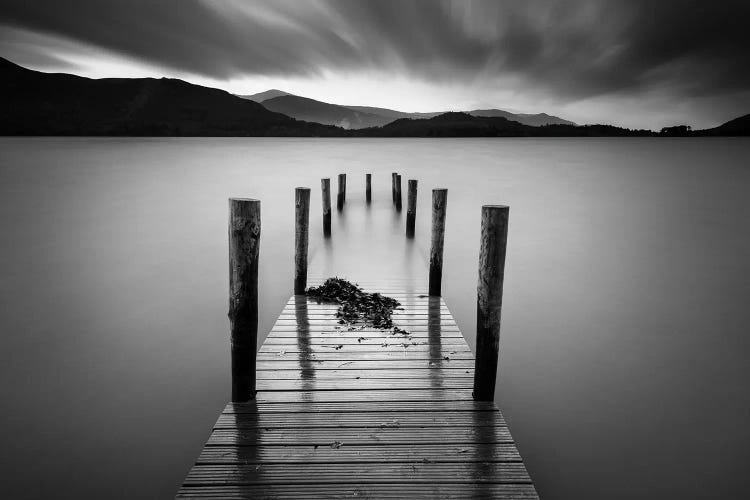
x,y
355,305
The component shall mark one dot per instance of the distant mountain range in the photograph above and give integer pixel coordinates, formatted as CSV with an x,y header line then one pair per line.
x,y
36,103
356,117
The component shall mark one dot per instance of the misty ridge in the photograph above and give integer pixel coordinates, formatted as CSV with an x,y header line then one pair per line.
x,y
37,103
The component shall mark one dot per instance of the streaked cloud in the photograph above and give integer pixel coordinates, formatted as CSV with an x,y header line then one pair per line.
x,y
690,53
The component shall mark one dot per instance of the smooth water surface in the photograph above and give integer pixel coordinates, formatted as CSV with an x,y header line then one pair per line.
x,y
626,328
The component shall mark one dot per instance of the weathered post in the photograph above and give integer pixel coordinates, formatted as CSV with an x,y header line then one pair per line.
x,y
325,185
439,199
411,208
341,199
244,246
393,187
398,192
368,188
490,299
301,223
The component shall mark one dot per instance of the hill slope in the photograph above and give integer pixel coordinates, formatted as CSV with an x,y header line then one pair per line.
x,y
263,96
737,127
303,108
465,125
36,103
356,117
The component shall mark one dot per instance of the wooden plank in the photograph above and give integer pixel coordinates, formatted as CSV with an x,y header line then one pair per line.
x,y
363,339
360,473
348,411
388,364
363,350
361,490
431,394
318,374
350,355
322,436
360,419
361,406
443,453
354,384
294,333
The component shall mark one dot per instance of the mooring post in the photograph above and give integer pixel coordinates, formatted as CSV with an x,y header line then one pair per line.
x,y
244,246
439,199
411,208
301,223
398,192
341,198
393,187
492,248
368,188
325,185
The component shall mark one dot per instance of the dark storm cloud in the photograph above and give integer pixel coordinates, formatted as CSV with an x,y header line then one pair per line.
x,y
573,49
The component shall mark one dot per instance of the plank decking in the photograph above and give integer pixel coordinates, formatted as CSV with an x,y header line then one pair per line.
x,y
362,413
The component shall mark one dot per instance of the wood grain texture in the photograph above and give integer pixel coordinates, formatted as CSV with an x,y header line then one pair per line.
x,y
344,411
301,237
398,192
325,188
437,239
244,247
490,298
411,208
341,196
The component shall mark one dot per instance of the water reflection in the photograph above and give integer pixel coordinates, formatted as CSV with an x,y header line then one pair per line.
x,y
247,439
434,341
305,355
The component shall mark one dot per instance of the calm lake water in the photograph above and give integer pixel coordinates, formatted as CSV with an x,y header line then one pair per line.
x,y
626,324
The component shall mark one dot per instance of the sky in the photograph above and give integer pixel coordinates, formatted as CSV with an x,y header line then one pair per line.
x,y
633,63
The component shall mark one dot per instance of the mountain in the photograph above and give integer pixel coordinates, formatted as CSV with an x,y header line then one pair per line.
x,y
392,113
36,103
454,124
303,108
737,127
533,120
262,96
356,117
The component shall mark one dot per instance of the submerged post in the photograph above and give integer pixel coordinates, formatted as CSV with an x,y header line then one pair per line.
x,y
325,186
490,299
301,222
439,199
342,192
411,208
398,192
244,246
393,187
368,188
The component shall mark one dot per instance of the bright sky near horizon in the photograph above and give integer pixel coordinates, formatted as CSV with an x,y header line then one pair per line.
x,y
632,63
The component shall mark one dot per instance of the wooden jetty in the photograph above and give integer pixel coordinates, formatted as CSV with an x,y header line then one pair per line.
x,y
350,411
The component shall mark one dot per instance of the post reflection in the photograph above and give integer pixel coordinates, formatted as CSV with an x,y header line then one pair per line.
x,y
245,452
434,342
483,449
306,355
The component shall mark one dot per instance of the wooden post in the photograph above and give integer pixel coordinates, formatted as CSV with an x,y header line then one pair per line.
x,y
490,299
393,187
439,199
341,199
411,208
398,192
325,185
368,188
244,246
301,223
